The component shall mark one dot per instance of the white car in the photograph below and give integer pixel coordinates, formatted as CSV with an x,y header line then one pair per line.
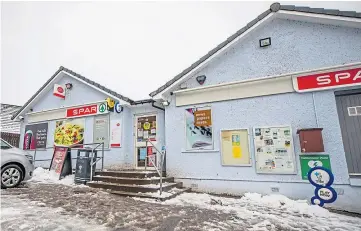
x,y
16,165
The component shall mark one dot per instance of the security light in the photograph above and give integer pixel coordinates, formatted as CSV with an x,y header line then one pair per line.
x,y
265,42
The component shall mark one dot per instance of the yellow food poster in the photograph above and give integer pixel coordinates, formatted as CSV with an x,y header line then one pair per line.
x,y
235,147
69,132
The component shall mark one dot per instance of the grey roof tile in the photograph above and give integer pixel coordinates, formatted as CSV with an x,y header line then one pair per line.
x,y
302,9
126,99
273,8
288,7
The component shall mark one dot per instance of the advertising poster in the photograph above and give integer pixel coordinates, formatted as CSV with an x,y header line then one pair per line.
x,y
235,147
199,128
35,136
115,133
274,150
146,128
101,130
57,163
69,132
310,161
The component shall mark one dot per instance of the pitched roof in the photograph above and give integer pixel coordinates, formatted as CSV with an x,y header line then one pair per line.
x,y
97,85
273,8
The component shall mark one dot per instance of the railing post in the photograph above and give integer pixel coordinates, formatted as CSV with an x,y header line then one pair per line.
x,y
91,166
102,156
146,154
35,156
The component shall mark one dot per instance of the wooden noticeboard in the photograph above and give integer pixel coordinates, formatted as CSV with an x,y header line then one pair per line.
x,y
61,161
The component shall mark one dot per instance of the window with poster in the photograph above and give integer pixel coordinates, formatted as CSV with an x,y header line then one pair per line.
x,y
146,128
199,128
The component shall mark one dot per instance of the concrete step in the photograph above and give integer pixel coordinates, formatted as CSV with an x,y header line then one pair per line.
x,y
163,197
126,180
129,174
133,188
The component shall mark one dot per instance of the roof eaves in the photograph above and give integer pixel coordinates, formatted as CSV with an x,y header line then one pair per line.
x,y
274,7
36,93
61,68
126,99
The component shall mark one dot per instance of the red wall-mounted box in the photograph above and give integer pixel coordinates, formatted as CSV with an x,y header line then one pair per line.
x,y
311,140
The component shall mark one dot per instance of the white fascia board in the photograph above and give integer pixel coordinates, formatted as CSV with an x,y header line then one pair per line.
x,y
122,102
207,61
268,77
320,18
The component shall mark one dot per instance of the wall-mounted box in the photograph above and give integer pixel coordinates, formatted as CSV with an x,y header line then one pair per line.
x,y
311,140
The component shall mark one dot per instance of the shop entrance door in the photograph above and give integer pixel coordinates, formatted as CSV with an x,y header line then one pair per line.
x,y
349,113
145,128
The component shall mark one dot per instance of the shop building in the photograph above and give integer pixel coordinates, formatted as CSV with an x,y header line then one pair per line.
x,y
254,114
71,110
251,85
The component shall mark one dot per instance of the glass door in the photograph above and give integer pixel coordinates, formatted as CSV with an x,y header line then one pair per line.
x,y
145,128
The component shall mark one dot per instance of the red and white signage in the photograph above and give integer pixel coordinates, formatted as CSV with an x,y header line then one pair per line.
x,y
115,133
327,80
87,110
59,91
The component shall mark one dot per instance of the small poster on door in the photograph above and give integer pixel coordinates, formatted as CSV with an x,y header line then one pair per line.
x,y
147,128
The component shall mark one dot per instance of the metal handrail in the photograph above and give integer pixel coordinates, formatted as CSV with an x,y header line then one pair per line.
x,y
157,168
72,146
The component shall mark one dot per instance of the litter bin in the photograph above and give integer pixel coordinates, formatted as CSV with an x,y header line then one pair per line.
x,y
83,165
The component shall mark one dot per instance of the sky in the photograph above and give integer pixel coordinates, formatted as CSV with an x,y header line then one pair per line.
x,y
130,47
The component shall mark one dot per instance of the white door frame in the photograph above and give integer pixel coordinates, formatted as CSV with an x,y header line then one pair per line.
x,y
142,144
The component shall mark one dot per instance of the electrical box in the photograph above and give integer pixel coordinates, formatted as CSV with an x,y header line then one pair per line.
x,y
311,140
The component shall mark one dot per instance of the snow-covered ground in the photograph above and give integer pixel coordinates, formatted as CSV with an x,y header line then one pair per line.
x,y
21,214
42,175
270,212
47,203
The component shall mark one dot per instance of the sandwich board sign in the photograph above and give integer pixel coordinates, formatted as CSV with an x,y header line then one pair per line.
x,y
61,161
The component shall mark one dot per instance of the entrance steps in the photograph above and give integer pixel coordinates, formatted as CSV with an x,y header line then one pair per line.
x,y
137,183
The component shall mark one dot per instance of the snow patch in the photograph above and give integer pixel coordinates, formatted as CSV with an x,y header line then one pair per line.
x,y
41,175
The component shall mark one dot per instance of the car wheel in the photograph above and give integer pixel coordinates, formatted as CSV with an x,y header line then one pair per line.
x,y
11,176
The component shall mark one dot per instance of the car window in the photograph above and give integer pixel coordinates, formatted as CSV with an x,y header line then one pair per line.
x,y
4,145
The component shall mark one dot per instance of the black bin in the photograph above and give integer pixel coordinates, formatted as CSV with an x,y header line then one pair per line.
x,y
83,165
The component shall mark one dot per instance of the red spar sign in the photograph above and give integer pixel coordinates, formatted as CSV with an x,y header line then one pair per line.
x,y
321,81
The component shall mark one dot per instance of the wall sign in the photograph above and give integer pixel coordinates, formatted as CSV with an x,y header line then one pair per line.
x,y
59,91
118,107
274,150
115,133
235,147
35,136
310,161
69,132
327,80
88,110
199,128
322,179
101,130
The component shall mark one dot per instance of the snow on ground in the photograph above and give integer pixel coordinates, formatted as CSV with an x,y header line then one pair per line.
x,y
270,212
42,175
20,214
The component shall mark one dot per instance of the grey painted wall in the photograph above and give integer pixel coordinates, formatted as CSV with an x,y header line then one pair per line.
x,y
296,46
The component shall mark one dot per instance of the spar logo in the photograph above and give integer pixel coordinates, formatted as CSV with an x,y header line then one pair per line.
x,y
320,81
